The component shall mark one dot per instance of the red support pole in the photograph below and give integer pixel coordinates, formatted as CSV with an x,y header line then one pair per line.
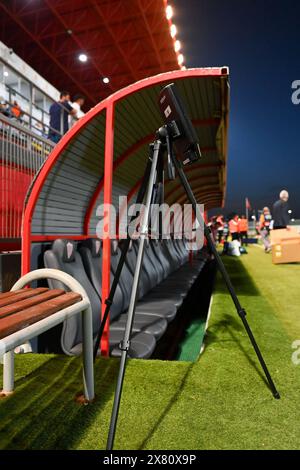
x,y
26,247
107,195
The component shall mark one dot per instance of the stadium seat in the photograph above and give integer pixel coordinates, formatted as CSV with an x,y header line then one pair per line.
x,y
163,307
91,253
64,256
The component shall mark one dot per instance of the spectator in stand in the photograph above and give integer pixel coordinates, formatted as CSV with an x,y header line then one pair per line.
x,y
4,108
234,227
77,104
16,111
264,228
243,229
220,222
40,129
281,211
59,117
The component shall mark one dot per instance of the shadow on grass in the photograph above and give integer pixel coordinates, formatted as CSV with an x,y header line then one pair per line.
x,y
171,403
230,327
42,412
242,282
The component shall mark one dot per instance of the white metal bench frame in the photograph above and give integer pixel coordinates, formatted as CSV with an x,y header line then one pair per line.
x,y
8,344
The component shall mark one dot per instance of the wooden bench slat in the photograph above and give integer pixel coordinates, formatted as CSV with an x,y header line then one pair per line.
x,y
21,295
24,304
20,320
3,295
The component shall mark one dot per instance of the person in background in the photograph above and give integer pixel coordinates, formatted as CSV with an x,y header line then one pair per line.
x,y
264,228
59,117
234,227
39,129
213,227
16,111
225,231
77,103
220,225
280,211
243,229
4,108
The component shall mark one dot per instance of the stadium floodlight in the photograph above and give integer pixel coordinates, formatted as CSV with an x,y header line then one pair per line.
x,y
169,12
173,30
82,57
180,127
177,45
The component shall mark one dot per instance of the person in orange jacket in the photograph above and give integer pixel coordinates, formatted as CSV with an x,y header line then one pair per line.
x,y
234,228
243,229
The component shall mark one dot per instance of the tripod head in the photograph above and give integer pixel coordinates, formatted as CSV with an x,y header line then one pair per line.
x,y
163,135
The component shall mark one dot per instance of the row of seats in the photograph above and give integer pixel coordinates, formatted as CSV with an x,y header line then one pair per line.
x,y
166,278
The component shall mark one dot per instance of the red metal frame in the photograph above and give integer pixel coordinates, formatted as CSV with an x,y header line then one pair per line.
x,y
107,189
108,104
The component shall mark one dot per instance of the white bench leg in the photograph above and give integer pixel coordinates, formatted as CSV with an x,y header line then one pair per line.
x,y
8,372
87,354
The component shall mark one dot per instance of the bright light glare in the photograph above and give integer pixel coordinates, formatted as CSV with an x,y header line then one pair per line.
x,y
82,57
177,46
180,59
105,80
289,211
169,12
173,30
5,74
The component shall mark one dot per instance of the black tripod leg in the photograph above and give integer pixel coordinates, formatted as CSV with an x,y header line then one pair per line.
x,y
125,345
241,312
109,300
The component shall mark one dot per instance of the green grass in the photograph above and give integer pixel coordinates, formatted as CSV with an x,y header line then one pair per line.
x,y
190,345
219,402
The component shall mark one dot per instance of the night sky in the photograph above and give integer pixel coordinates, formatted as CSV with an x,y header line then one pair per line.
x,y
260,41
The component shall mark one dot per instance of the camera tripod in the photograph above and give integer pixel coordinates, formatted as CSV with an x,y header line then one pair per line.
x,y
152,182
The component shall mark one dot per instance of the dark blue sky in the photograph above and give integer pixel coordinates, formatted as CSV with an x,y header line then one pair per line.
x,y
260,41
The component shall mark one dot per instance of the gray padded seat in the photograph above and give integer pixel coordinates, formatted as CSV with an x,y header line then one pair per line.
x,y
65,257
158,292
162,307
91,253
175,284
145,280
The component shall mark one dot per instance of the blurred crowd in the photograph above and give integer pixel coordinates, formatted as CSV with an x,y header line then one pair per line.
x,y
236,227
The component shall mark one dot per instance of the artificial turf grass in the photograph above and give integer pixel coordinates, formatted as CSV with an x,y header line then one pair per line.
x,y
280,284
190,346
219,402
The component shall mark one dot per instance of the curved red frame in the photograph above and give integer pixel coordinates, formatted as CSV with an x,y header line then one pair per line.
x,y
108,104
